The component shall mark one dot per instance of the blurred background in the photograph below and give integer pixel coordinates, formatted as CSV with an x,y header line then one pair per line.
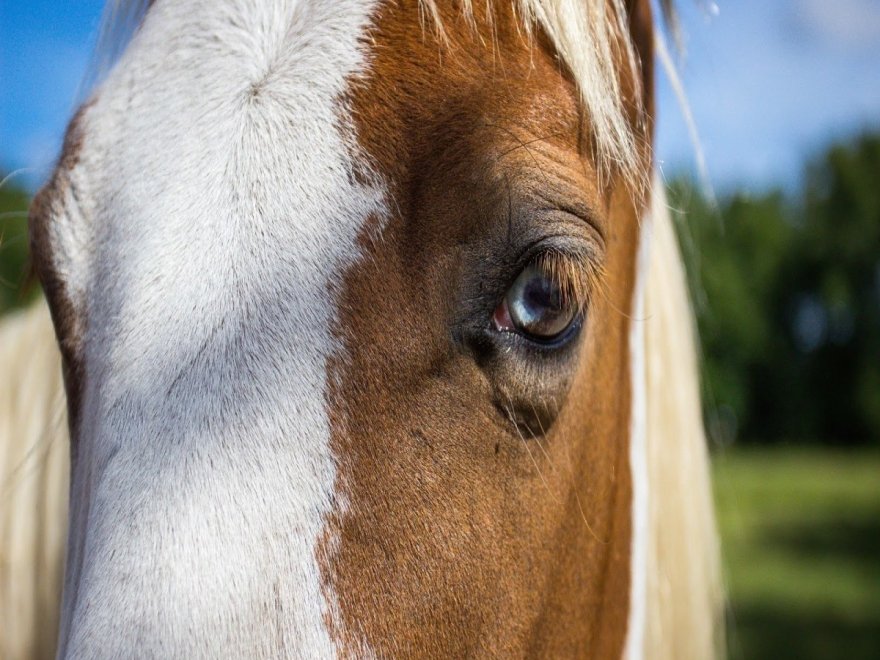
x,y
778,212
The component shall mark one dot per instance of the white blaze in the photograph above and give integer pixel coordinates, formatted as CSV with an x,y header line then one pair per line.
x,y
218,177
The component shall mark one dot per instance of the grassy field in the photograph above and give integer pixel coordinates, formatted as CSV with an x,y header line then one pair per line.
x,y
801,534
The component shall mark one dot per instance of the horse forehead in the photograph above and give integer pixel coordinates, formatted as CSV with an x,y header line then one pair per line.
x,y
228,103
221,139
226,194
207,83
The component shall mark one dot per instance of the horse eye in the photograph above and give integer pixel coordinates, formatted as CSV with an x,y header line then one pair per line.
x,y
535,307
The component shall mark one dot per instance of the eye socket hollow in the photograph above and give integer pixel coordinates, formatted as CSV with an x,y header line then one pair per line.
x,y
536,307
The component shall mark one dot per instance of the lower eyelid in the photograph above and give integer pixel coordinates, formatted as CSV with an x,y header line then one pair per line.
x,y
513,338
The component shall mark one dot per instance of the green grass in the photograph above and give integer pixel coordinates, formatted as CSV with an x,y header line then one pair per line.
x,y
801,537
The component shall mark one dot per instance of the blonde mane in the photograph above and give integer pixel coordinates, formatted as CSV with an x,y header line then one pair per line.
x,y
34,474
683,597
684,609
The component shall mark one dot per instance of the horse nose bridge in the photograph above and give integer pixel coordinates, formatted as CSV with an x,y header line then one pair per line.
x,y
205,474
177,553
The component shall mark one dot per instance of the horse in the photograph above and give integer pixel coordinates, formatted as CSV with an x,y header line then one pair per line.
x,y
374,339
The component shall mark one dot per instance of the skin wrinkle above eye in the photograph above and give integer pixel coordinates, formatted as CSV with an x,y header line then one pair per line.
x,y
553,173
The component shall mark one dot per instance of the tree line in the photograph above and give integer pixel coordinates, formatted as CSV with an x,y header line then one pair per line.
x,y
786,288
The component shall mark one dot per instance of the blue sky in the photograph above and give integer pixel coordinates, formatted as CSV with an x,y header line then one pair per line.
x,y
769,81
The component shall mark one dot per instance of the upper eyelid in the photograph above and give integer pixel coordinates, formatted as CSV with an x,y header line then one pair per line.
x,y
594,241
583,261
565,196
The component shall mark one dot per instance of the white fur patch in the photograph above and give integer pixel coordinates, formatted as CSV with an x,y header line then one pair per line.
x,y
224,206
638,455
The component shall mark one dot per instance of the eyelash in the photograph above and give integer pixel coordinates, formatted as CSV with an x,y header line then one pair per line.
x,y
575,270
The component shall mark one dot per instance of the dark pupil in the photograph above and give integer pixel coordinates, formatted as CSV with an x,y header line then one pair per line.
x,y
541,296
536,305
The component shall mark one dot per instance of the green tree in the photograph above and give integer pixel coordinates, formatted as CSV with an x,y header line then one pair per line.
x,y
787,292
836,268
15,289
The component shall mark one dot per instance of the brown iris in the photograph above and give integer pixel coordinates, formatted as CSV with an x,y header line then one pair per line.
x,y
535,306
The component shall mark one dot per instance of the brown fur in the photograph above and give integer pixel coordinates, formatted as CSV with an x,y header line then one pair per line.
x,y
455,535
